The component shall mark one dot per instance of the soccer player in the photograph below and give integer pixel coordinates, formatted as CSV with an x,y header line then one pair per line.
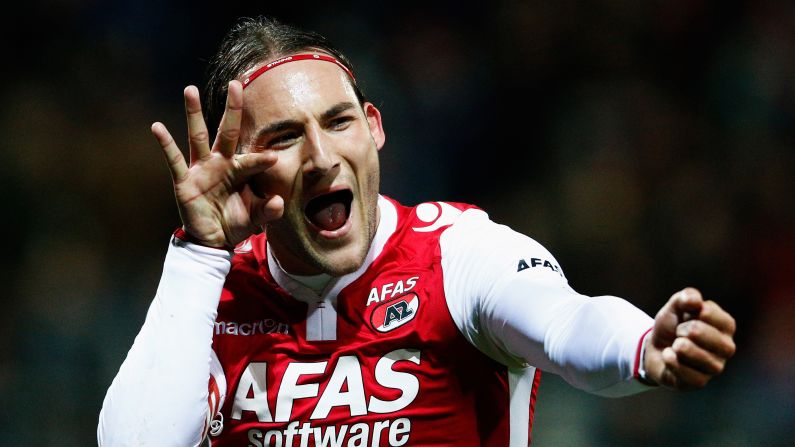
x,y
298,307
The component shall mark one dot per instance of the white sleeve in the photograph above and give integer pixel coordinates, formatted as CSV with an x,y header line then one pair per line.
x,y
509,297
160,395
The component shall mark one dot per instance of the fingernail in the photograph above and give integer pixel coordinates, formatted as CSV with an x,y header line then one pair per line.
x,y
678,344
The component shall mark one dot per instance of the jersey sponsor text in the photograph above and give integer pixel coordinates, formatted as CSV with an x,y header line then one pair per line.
x,y
391,290
251,394
394,432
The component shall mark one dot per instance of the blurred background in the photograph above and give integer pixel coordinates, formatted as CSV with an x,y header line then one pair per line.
x,y
648,145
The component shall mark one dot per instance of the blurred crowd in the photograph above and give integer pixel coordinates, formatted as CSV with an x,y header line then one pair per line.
x,y
648,145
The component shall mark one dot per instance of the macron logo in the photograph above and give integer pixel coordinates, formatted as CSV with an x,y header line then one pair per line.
x,y
265,326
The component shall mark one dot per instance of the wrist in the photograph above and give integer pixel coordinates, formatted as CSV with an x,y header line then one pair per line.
x,y
183,235
641,368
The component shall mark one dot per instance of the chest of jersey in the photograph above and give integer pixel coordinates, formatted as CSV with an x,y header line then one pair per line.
x,y
381,363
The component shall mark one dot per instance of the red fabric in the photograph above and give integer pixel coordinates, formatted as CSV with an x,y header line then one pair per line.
x,y
462,397
213,401
297,57
533,397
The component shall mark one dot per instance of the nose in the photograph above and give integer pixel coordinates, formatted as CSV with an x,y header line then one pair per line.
x,y
318,153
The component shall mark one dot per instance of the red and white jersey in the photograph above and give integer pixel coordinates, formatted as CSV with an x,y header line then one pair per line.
x,y
375,359
438,339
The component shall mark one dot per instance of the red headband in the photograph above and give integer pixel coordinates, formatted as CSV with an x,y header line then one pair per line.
x,y
297,57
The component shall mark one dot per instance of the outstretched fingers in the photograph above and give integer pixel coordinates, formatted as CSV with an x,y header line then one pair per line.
x,y
229,129
198,136
176,161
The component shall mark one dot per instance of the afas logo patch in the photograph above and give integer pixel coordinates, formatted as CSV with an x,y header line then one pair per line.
x,y
394,313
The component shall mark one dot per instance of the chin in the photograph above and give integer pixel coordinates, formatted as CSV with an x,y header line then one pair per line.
x,y
304,248
339,264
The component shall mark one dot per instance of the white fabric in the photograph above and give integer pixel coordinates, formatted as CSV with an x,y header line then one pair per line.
x,y
530,315
321,318
159,396
520,387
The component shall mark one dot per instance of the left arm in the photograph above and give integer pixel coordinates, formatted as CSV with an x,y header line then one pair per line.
x,y
510,298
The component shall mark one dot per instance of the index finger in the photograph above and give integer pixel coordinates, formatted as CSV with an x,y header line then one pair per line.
x,y
679,308
686,304
682,305
229,129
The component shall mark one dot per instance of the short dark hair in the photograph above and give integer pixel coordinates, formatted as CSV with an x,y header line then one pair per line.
x,y
255,40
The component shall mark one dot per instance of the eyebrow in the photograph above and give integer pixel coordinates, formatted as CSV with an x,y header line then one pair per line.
x,y
291,124
336,110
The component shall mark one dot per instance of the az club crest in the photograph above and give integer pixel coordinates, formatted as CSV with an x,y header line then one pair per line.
x,y
394,313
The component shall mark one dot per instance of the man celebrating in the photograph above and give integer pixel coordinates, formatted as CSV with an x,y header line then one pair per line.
x,y
352,320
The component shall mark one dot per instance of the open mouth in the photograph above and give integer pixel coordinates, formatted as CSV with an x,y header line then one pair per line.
x,y
330,211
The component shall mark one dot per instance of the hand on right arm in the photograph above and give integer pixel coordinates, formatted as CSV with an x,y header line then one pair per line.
x,y
216,206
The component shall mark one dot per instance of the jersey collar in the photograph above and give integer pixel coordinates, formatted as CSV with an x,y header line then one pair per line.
x,y
304,288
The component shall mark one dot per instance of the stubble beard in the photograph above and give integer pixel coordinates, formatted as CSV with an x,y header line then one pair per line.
x,y
290,236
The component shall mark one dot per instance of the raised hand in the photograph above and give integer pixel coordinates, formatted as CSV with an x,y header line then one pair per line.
x,y
690,343
216,206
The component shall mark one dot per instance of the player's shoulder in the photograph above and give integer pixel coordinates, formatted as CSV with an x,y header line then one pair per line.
x,y
434,216
475,236
251,253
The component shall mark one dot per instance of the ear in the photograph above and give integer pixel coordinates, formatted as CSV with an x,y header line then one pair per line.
x,y
373,116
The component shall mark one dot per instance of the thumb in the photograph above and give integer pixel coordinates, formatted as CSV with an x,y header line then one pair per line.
x,y
683,306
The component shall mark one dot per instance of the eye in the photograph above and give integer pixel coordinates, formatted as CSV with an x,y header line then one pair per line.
x,y
340,122
283,140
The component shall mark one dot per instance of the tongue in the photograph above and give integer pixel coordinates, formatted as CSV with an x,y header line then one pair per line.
x,y
330,217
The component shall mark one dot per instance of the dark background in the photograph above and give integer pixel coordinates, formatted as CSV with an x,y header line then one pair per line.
x,y
648,145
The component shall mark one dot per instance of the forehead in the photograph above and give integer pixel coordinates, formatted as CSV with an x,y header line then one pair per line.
x,y
295,91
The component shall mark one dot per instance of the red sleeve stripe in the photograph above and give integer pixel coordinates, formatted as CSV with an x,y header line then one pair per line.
x,y
214,396
213,403
636,369
533,396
